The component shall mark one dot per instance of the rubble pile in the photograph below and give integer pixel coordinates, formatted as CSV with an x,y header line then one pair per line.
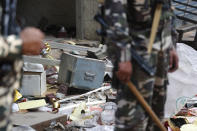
x,y
84,106
186,118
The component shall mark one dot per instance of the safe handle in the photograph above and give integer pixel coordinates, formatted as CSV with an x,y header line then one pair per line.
x,y
89,76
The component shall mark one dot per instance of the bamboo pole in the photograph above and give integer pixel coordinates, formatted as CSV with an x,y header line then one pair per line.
x,y
155,24
146,106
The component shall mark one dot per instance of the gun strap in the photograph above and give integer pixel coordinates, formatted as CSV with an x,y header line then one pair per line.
x,y
101,1
8,22
154,28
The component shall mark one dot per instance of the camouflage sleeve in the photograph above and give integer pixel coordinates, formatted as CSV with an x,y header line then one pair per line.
x,y
10,47
174,33
118,33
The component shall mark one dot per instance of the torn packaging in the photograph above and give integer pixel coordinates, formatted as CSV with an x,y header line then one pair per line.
x,y
81,117
176,123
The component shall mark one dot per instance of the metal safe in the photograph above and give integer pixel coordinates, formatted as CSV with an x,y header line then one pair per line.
x,y
81,72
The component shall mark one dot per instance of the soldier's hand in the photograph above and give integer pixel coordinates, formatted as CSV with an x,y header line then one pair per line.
x,y
32,41
124,72
174,61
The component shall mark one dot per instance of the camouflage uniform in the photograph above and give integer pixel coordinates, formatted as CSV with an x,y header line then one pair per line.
x,y
10,74
130,24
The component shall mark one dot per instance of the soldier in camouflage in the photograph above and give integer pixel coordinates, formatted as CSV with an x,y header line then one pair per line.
x,y
11,49
130,24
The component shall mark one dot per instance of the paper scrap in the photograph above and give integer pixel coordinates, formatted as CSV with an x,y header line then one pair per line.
x,y
32,104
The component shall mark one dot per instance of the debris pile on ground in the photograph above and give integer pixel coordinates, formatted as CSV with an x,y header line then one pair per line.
x,y
186,118
87,110
86,106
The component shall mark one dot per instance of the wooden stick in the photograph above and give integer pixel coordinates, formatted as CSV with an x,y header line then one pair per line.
x,y
156,20
146,106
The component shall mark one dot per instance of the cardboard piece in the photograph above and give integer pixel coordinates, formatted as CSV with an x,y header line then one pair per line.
x,y
32,104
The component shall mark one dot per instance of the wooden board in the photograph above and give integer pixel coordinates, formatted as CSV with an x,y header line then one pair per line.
x,y
32,104
41,126
189,36
58,45
33,118
43,61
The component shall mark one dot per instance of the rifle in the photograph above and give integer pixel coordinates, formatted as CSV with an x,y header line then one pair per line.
x,y
141,62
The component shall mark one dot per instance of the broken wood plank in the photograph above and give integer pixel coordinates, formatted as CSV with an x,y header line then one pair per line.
x,y
58,45
38,60
33,118
41,126
183,29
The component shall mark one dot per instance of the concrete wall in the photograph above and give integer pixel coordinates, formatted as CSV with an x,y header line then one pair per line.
x,y
61,12
68,13
86,25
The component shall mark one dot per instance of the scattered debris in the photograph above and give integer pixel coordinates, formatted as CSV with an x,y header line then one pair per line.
x,y
23,128
86,94
82,96
63,89
101,128
108,115
189,127
15,107
98,54
55,127
17,95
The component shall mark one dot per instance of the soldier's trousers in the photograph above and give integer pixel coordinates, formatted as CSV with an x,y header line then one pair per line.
x,y
5,108
10,77
130,115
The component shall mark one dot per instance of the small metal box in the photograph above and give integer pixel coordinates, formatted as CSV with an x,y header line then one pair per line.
x,y
34,80
81,72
